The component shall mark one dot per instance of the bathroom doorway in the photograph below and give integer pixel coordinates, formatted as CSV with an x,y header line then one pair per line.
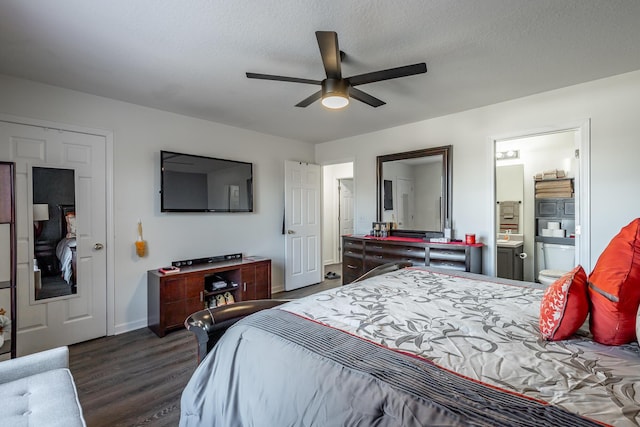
x,y
563,155
338,207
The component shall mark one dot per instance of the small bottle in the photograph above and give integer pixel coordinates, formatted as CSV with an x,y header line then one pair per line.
x,y
447,231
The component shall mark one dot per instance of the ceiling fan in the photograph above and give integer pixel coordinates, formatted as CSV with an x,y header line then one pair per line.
x,y
336,89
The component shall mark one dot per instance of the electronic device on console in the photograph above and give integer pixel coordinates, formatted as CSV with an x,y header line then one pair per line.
x,y
215,282
209,260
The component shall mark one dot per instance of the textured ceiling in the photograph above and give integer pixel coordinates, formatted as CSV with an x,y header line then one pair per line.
x,y
190,57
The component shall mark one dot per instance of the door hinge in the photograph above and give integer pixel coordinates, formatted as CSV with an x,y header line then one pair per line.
x,y
577,153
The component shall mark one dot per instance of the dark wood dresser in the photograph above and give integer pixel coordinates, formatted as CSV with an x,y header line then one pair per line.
x,y
362,253
171,298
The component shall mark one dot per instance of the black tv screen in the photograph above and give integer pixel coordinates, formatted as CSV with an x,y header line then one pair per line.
x,y
191,183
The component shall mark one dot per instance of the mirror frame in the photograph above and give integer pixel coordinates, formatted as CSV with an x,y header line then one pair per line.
x,y
446,153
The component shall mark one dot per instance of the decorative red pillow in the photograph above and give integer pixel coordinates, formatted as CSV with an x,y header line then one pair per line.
x,y
638,326
564,306
614,288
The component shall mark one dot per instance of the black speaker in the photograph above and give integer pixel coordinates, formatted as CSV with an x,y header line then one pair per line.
x,y
209,260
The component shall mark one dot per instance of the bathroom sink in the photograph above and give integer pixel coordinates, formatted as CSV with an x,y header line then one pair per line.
x,y
509,243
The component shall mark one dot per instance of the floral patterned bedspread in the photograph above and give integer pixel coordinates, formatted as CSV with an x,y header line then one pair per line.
x,y
488,331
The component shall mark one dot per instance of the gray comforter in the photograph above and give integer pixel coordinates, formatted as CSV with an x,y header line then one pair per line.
x,y
277,369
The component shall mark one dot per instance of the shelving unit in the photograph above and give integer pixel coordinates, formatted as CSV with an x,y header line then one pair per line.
x,y
8,253
550,209
555,209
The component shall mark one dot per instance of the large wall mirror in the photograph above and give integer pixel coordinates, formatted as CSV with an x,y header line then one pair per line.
x,y
414,191
54,224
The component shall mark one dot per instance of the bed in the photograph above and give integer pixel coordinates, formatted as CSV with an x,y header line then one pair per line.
x,y
66,246
414,347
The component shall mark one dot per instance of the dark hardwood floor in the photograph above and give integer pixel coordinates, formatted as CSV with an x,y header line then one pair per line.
x,y
308,290
136,378
133,379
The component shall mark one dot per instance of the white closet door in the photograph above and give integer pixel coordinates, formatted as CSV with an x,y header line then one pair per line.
x,y
68,319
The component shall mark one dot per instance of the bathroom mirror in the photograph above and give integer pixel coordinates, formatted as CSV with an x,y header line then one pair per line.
x,y
414,191
54,223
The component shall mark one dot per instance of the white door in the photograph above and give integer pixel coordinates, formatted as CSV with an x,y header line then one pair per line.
x,y
62,320
303,257
405,203
345,215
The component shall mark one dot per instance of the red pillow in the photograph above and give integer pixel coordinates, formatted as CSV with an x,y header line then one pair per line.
x,y
564,306
614,288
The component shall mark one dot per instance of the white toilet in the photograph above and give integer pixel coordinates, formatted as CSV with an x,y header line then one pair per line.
x,y
557,260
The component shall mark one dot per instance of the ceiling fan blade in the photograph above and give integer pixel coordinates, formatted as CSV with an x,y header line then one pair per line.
x,y
309,100
365,97
391,73
283,78
328,43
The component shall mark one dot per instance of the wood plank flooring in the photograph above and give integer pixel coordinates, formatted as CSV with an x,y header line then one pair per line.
x,y
308,290
136,378
133,379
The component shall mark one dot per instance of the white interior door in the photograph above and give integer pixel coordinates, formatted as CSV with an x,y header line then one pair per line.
x,y
405,203
303,255
345,218
81,316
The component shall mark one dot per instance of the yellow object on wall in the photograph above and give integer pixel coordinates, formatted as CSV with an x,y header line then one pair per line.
x,y
141,245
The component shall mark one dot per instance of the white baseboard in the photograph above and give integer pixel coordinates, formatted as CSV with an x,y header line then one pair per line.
x,y
277,288
131,326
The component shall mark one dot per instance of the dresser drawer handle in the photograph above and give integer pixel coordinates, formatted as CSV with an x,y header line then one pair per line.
x,y
353,267
378,247
378,256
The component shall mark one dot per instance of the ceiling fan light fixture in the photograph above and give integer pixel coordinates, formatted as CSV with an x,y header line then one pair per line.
x,y
335,93
335,101
336,90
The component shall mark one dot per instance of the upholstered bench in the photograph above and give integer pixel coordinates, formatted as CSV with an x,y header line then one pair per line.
x,y
38,390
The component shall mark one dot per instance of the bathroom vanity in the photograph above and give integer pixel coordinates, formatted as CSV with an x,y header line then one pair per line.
x,y
510,259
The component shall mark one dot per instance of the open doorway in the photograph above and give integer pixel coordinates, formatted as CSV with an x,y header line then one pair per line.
x,y
338,209
529,218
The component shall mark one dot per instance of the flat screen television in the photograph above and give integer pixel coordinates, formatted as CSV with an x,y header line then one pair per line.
x,y
191,183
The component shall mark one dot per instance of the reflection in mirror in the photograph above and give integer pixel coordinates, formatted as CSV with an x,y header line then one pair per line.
x,y
414,191
510,199
54,223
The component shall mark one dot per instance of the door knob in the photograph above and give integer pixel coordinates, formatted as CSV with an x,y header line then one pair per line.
x,y
98,246
291,232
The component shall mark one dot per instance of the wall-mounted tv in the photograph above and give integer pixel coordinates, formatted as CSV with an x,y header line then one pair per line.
x,y
191,183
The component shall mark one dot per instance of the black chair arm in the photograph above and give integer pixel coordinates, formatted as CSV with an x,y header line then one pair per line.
x,y
210,324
